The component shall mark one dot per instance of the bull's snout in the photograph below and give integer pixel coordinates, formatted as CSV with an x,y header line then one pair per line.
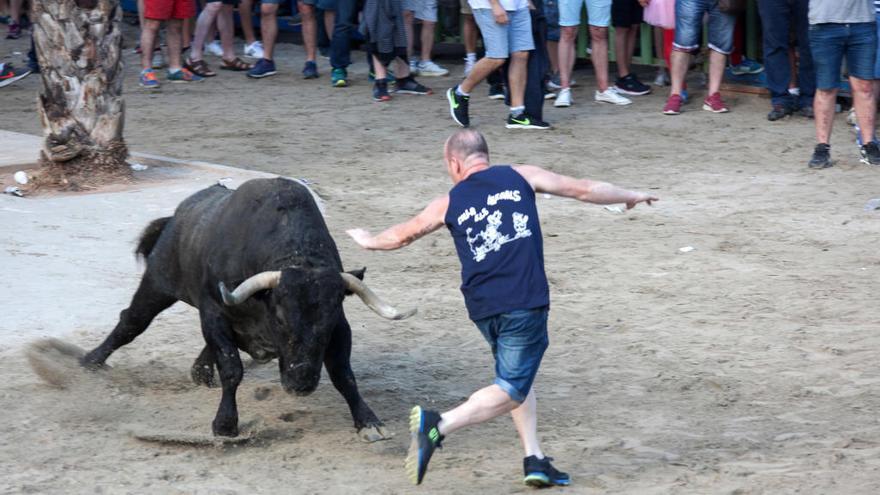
x,y
300,379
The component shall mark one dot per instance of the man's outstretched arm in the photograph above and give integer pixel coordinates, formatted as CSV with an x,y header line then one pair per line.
x,y
585,190
430,219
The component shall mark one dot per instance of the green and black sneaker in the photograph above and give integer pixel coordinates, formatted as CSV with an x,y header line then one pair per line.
x,y
525,121
539,473
425,438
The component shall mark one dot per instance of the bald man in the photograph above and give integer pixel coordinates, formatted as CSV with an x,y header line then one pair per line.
x,y
493,219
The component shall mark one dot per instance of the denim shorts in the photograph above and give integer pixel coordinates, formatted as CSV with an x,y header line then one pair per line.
x,y
518,339
689,23
830,42
423,10
501,40
551,13
877,57
321,4
598,12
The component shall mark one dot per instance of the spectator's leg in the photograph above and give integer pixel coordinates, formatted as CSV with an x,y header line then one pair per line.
x,y
517,78
173,34
823,104
599,55
481,71
379,69
149,35
203,24
775,15
469,34
678,70
269,28
141,8
721,36
309,29
427,39
329,21
15,11
187,33
567,37
621,47
717,63
866,106
408,21
226,26
245,8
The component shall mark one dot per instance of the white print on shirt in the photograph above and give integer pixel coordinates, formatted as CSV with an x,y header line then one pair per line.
x,y
490,239
491,200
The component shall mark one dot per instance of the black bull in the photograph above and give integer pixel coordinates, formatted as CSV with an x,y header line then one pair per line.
x,y
269,240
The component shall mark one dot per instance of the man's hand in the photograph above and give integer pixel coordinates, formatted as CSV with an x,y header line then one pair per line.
x,y
639,198
644,3
362,237
499,13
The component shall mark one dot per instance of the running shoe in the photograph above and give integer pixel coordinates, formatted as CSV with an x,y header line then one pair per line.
x,y
611,95
747,66
673,105
563,98
9,75
148,79
426,438
458,107
554,83
429,68
214,48
496,91
263,68
409,86
870,154
380,91
821,156
310,70
524,121
338,77
778,112
807,112
715,104
539,473
14,32
254,50
630,85
183,76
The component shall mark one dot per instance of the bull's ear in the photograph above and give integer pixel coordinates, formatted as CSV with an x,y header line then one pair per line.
x,y
357,273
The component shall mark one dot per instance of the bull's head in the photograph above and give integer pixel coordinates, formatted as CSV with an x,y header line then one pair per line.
x,y
305,308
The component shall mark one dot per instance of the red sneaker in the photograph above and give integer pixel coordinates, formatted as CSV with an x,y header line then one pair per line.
x,y
673,105
715,104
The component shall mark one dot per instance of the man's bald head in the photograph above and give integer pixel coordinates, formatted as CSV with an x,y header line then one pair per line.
x,y
465,144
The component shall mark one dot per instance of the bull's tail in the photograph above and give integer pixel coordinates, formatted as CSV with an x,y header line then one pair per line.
x,y
150,236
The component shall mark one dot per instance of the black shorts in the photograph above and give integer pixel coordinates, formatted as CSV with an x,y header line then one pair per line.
x,y
234,3
625,13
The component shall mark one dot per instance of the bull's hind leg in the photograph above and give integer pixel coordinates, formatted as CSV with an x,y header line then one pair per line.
x,y
145,305
202,371
219,339
337,360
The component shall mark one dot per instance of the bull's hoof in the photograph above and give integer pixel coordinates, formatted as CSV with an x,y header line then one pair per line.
x,y
225,427
373,433
203,374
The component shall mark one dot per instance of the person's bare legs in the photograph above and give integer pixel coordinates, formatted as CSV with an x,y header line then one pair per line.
x,y
247,24
187,36
567,37
408,20
173,37
525,418
329,22
15,11
268,28
309,30
379,71
553,53
204,22
149,37
823,106
680,61
599,55
226,26
470,34
481,71
427,39
140,4
865,104
483,405
516,78
625,47
717,62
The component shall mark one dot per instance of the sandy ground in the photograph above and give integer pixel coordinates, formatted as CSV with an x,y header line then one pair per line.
x,y
748,365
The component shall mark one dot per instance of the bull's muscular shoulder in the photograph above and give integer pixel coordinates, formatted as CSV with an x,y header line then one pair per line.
x,y
278,192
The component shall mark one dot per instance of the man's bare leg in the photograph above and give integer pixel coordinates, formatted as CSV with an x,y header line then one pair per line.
x,y
553,53
481,71
483,405
525,418
516,77
149,35
173,33
269,28
599,55
823,105
680,61
408,21
309,30
568,35
717,63
204,22
329,22
427,38
226,26
866,107
470,34
247,24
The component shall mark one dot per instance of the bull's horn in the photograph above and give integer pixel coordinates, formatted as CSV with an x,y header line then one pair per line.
x,y
372,301
256,283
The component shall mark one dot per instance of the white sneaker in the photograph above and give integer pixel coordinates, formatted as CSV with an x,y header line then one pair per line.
x,y
254,50
158,61
414,67
469,66
214,48
563,98
611,95
429,68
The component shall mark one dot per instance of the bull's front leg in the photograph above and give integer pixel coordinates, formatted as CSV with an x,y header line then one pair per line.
x,y
337,360
218,337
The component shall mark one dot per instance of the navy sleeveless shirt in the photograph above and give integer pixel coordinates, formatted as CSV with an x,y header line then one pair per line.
x,y
494,222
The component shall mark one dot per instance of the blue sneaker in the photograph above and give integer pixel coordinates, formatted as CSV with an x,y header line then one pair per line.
x,y
684,96
148,79
747,66
263,68
539,473
425,438
310,70
339,77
